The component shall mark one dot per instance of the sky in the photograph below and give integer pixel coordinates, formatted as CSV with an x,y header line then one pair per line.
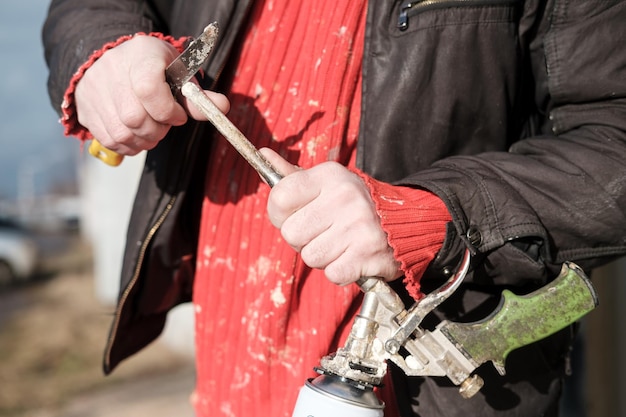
x,y
34,154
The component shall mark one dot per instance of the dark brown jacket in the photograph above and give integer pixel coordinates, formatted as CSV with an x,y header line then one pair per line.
x,y
513,112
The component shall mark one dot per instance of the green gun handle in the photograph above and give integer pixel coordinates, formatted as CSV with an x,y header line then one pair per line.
x,y
521,320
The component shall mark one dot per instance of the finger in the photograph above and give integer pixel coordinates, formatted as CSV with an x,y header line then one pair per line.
x,y
305,225
133,125
322,250
291,194
137,127
334,257
161,105
352,249
352,265
121,140
115,134
220,100
147,81
281,165
341,272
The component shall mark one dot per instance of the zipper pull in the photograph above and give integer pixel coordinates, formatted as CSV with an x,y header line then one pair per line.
x,y
403,18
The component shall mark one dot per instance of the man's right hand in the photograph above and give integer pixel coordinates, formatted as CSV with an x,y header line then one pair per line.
x,y
124,100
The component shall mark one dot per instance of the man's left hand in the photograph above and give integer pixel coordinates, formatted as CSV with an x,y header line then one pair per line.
x,y
326,214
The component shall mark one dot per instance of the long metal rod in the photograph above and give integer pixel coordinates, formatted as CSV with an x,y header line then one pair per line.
x,y
231,133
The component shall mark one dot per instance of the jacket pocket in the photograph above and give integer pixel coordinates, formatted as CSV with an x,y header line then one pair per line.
x,y
407,13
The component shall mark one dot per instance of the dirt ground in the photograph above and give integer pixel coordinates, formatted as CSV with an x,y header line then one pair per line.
x,y
52,334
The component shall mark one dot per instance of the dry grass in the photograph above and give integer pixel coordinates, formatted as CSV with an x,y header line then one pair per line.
x,y
52,338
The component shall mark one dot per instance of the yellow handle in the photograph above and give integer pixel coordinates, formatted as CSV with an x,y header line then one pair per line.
x,y
106,155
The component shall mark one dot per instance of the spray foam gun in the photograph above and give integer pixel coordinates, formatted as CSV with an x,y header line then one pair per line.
x,y
385,330
455,350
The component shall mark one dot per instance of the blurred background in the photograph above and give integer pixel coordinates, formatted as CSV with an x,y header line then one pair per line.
x,y
63,217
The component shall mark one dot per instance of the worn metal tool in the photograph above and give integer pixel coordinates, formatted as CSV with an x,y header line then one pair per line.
x,y
178,73
231,133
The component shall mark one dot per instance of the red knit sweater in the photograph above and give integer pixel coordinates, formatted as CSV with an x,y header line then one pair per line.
x,y
263,318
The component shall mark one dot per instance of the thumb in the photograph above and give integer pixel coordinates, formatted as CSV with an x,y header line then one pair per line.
x,y
220,100
280,164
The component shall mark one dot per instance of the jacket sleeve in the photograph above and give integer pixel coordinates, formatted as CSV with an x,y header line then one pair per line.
x,y
560,194
74,29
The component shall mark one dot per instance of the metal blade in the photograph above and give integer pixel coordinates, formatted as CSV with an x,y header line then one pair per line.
x,y
185,66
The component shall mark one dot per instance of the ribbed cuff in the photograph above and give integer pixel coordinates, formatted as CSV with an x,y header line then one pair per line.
x,y
415,222
69,118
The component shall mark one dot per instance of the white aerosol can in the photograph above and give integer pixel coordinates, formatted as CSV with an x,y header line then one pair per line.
x,y
333,396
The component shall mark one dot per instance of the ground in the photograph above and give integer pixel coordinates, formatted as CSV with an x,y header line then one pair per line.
x,y
52,335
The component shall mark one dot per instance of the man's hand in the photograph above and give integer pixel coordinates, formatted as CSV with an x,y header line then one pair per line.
x,y
124,100
326,213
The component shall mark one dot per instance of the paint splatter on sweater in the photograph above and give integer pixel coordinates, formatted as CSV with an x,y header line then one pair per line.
x,y
263,318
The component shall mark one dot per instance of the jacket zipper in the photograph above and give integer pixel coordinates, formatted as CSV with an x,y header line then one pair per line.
x,y
410,8
142,253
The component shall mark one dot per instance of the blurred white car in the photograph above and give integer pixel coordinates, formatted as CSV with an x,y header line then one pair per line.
x,y
19,254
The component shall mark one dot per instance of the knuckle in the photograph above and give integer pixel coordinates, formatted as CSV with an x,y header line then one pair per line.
x,y
149,144
132,117
349,193
162,113
314,256
341,273
297,181
153,132
120,134
144,88
280,198
331,166
291,236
